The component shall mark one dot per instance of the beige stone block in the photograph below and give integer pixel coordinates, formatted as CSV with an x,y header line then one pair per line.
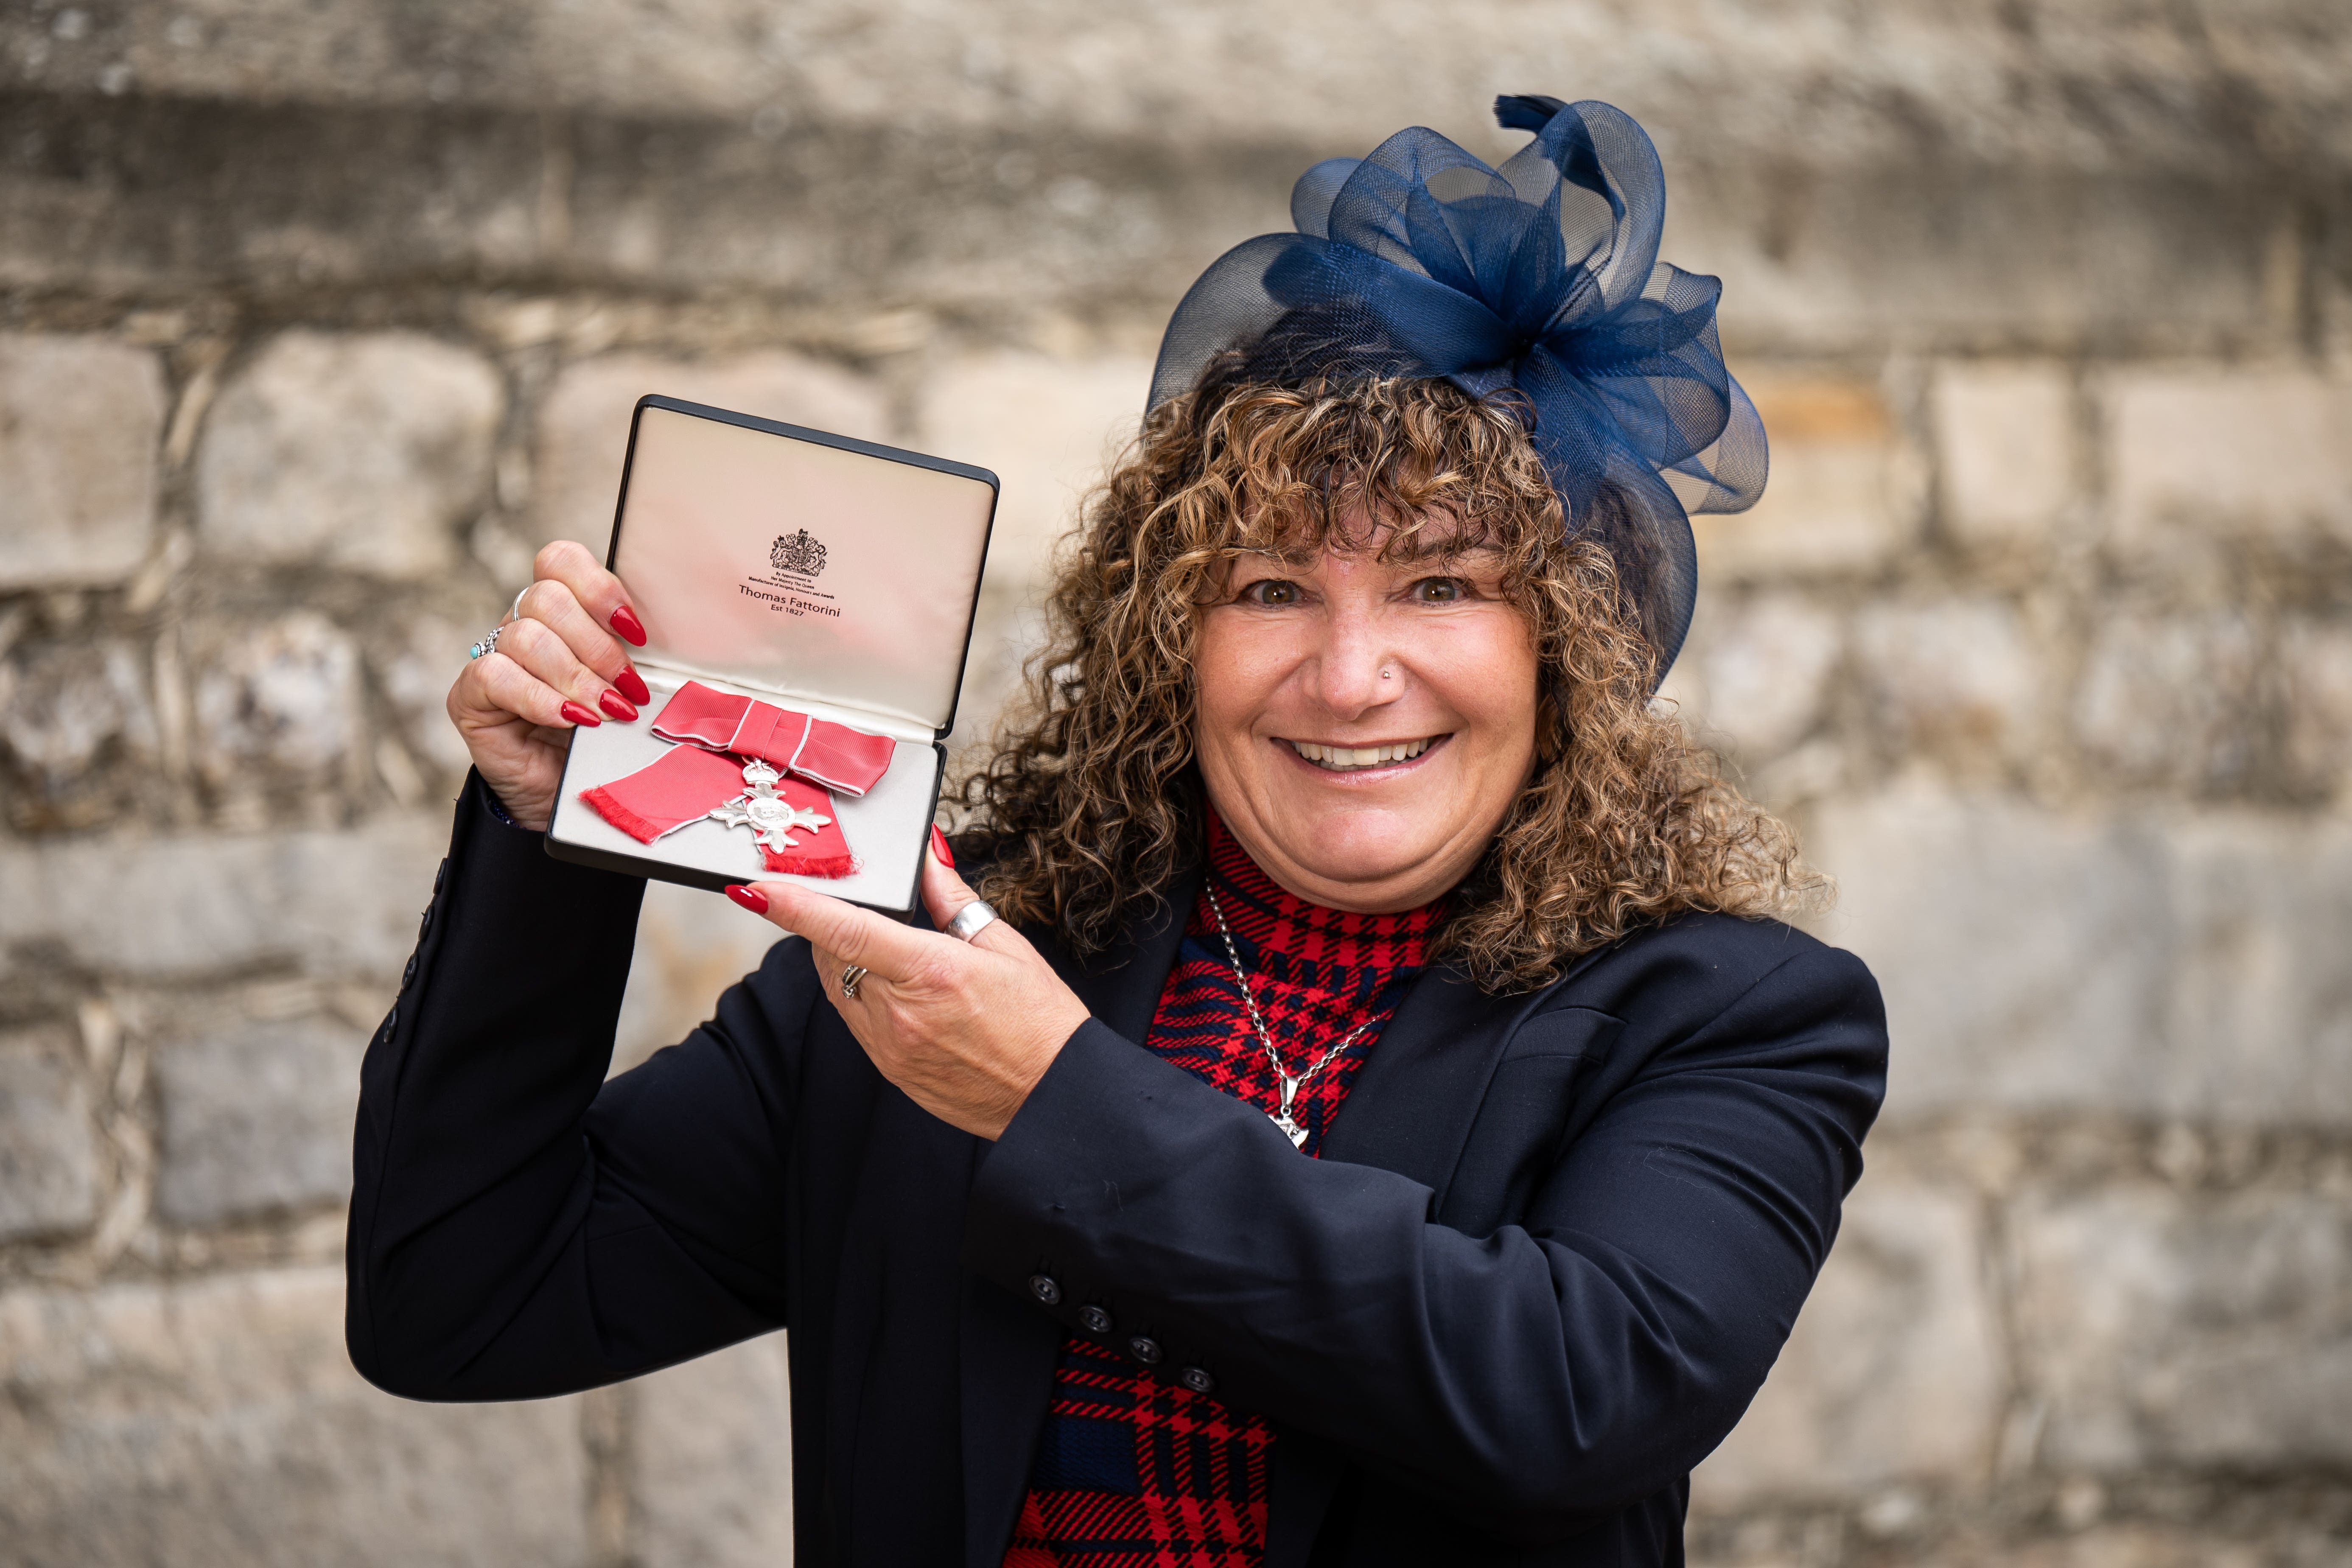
x,y
415,671
2021,953
80,420
61,705
583,430
48,1145
364,452
1840,497
2145,963
327,903
1755,672
2202,451
2005,449
2213,1332
283,696
1893,1373
2166,1543
1955,678
691,945
2121,86
218,1423
2169,700
1049,428
2316,656
257,1118
2258,1005
711,1466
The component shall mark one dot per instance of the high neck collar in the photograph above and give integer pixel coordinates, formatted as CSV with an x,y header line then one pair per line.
x,y
1269,917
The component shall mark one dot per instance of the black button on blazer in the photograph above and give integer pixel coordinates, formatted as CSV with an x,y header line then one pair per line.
x,y
1551,1247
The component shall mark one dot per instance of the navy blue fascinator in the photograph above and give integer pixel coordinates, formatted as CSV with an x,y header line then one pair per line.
x,y
1538,282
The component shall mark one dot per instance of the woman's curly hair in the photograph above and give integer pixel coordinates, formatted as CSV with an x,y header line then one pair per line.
x,y
1086,806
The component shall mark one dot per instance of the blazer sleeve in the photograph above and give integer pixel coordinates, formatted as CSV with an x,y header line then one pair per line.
x,y
519,1227
1532,1378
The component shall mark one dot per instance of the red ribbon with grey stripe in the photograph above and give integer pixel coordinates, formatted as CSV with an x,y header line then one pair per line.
x,y
719,737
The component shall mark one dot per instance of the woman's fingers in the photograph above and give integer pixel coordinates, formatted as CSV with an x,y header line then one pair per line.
x,y
553,605
830,967
577,599
598,592
506,686
547,656
945,894
967,1037
857,936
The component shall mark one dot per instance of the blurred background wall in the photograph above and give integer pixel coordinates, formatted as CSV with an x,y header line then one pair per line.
x,y
318,316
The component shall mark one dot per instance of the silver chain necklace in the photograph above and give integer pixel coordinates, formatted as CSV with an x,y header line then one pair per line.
x,y
1282,1118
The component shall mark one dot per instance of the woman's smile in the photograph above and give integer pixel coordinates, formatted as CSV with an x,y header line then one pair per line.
x,y
1364,758
1364,724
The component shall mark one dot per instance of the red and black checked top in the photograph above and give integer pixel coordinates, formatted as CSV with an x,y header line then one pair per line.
x,y
1135,1470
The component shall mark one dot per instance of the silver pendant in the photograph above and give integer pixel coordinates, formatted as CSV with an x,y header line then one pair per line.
x,y
1290,1129
770,817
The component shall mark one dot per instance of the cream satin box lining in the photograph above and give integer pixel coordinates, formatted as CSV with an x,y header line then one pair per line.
x,y
817,573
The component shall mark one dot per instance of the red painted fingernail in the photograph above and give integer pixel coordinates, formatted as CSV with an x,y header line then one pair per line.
x,y
613,703
626,622
632,687
751,899
575,715
940,847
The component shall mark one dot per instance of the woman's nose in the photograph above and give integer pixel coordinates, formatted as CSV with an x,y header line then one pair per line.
x,y
1355,669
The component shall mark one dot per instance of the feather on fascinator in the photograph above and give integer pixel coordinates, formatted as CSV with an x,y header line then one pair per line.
x,y
1539,282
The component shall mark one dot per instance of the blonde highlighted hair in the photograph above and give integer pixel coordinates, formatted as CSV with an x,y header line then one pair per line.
x,y
1086,806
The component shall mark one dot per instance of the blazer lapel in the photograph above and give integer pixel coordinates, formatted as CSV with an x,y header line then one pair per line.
x,y
1122,987
1413,1102
1007,1349
1417,1096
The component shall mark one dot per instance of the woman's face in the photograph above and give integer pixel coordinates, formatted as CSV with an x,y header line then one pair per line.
x,y
1363,726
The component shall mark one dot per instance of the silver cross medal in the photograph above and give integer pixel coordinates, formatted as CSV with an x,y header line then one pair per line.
x,y
770,817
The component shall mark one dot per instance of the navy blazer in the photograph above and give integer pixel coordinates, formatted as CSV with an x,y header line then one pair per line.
x,y
1552,1244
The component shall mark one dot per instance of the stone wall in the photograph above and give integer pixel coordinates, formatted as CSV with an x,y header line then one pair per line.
x,y
315,319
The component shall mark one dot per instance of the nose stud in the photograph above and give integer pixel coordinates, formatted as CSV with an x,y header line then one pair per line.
x,y
1386,674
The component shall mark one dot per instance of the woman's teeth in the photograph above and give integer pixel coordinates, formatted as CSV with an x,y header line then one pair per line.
x,y
1343,757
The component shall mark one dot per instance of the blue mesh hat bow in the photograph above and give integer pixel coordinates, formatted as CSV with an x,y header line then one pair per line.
x,y
1538,281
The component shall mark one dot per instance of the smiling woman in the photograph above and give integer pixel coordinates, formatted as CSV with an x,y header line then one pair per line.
x,y
1379,1121
1279,574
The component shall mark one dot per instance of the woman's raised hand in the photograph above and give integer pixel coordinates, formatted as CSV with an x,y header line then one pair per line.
x,y
556,666
965,1028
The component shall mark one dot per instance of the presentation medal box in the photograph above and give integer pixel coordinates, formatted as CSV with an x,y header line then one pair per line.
x,y
807,601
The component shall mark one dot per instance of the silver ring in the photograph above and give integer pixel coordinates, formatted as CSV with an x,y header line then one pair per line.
x,y
971,919
487,646
851,974
514,611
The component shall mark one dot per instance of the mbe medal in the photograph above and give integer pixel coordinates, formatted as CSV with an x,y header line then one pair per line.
x,y
770,817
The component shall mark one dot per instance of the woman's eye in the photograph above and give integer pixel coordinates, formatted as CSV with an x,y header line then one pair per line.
x,y
1438,591
1270,591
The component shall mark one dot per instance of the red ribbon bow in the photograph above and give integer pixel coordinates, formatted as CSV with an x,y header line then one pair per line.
x,y
717,734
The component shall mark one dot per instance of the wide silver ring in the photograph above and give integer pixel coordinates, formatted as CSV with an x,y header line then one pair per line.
x,y
487,646
851,974
971,919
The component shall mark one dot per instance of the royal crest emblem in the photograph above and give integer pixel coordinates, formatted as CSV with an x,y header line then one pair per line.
x,y
801,553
